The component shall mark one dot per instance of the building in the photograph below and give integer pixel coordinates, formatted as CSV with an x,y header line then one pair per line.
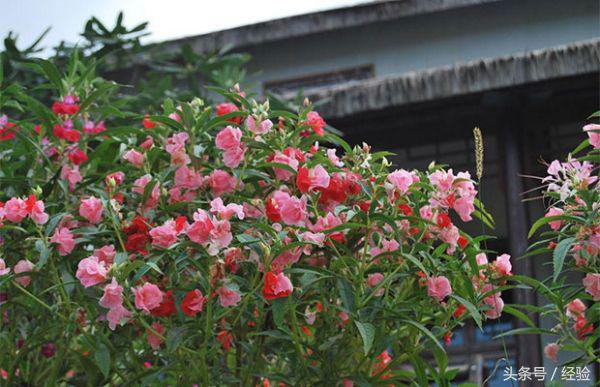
x,y
415,76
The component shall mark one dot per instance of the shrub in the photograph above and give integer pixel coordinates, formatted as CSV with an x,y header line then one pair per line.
x,y
573,200
225,244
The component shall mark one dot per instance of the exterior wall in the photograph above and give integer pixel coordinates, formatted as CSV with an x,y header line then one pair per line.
x,y
431,40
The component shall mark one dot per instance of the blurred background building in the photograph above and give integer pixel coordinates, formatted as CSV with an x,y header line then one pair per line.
x,y
415,76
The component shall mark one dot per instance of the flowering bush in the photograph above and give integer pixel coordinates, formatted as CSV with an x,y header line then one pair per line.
x,y
223,245
573,216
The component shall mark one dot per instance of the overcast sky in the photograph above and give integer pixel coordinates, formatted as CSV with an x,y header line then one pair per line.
x,y
169,19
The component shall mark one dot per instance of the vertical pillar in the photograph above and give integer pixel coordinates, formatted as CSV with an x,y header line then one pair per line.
x,y
528,346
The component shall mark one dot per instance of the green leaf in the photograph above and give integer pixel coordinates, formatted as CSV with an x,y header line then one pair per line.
x,y
278,308
367,332
542,221
175,337
559,254
525,331
518,314
425,331
51,72
346,294
471,308
595,114
102,357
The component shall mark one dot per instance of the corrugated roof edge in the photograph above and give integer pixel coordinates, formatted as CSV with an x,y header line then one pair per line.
x,y
476,76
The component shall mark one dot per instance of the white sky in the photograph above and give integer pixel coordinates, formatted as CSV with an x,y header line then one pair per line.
x,y
168,19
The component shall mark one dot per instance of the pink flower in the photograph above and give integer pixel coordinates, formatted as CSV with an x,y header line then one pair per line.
x,y
3,269
281,158
438,288
15,210
551,351
91,209
593,131
554,211
591,282
494,301
450,235
23,266
106,254
147,297
292,210
165,235
308,179
188,178
91,272
153,339
135,158
38,214
199,231
148,143
228,138
139,186
481,259
71,175
65,240
426,212
220,236
176,148
502,265
114,179
226,212
373,280
221,182
464,207
233,157
113,295
117,315
399,181
260,128
228,297
575,308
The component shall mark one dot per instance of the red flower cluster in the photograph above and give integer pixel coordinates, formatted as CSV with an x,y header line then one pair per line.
x,y
138,236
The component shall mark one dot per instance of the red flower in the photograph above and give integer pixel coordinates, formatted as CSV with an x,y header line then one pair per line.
x,y
459,311
277,286
226,108
138,236
66,133
405,209
462,242
448,338
272,210
303,180
316,122
78,156
67,106
148,124
193,303
166,307
7,133
225,339
582,327
443,220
